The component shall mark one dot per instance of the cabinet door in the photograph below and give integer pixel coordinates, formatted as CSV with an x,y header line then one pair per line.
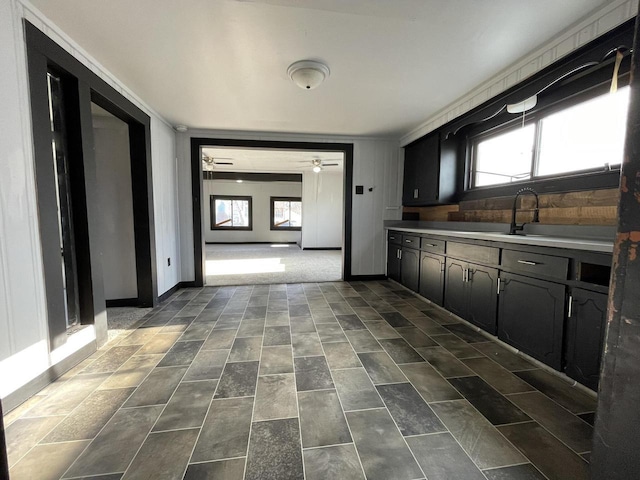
x,y
585,336
455,299
393,262
410,268
482,298
421,171
432,277
531,317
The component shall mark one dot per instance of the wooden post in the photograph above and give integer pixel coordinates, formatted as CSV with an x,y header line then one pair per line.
x,y
616,453
4,461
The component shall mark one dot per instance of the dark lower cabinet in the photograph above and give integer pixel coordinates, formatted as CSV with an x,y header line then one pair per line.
x,y
482,297
531,317
471,293
432,277
585,336
393,261
410,268
455,293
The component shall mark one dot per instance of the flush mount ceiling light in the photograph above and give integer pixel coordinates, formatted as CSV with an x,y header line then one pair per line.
x,y
317,165
181,128
308,74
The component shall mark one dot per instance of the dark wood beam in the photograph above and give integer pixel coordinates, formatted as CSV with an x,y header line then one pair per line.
x,y
617,428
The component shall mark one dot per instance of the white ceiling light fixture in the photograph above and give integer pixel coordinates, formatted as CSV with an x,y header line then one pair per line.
x,y
181,128
317,165
308,74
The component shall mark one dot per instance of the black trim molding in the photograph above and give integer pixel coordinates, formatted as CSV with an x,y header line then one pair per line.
x,y
81,87
196,191
253,177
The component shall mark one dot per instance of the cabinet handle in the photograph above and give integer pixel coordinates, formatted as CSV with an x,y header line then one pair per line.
x,y
527,262
391,237
429,245
498,290
465,275
408,241
400,254
570,306
415,193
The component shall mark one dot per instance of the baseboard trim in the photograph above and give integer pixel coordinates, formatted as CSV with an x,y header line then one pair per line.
x,y
322,248
364,278
54,372
170,292
123,302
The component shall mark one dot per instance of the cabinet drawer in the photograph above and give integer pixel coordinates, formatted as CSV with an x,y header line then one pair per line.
x,y
410,241
475,253
536,264
431,245
395,238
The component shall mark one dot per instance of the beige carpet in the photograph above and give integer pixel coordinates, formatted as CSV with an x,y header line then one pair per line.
x,y
250,264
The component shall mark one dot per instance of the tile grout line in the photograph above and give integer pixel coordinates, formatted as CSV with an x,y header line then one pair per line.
x,y
168,401
214,391
70,412
295,393
255,393
438,417
119,409
344,414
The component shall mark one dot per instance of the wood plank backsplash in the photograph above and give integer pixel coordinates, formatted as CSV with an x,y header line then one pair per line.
x,y
590,207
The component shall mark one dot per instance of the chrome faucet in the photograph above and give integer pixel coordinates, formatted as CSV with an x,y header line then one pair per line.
x,y
515,228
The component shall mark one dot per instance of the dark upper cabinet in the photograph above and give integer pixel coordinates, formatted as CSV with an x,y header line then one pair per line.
x,y
471,293
430,166
531,317
432,277
393,261
585,336
410,268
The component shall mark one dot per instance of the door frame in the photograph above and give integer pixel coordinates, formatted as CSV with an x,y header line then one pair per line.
x,y
82,87
197,192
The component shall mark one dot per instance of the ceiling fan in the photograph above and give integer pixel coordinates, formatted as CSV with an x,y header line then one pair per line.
x,y
209,163
318,164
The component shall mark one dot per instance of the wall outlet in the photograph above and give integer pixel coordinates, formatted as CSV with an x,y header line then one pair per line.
x,y
168,261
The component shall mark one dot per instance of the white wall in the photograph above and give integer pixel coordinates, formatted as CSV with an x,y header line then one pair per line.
x,y
23,329
322,209
612,14
24,352
165,204
260,193
117,241
375,165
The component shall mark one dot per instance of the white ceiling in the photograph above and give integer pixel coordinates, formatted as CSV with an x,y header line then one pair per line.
x,y
222,64
272,160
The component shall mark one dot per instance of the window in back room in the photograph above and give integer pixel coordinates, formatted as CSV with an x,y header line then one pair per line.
x,y
230,212
286,213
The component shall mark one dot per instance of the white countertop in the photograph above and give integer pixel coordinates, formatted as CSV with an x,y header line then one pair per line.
x,y
537,240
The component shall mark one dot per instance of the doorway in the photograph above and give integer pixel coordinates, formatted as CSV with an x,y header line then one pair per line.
x,y
61,92
219,167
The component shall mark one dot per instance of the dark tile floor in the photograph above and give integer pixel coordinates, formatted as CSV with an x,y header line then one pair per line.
x,y
317,381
